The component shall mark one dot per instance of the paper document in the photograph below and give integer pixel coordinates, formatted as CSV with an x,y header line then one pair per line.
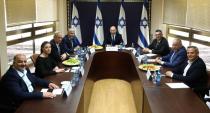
x,y
75,68
111,49
44,90
151,60
57,91
177,85
129,48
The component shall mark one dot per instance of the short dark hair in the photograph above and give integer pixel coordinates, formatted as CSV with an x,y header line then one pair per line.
x,y
194,47
158,30
43,44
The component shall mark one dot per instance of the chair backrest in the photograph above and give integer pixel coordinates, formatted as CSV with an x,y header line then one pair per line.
x,y
34,57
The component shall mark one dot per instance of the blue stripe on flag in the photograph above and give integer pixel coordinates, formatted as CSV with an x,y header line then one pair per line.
x,y
95,39
143,39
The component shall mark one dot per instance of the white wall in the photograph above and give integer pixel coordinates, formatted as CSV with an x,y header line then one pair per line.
x,y
157,16
3,50
20,11
46,10
62,16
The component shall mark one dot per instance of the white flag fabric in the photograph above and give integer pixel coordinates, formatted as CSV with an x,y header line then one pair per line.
x,y
143,38
98,37
122,24
75,24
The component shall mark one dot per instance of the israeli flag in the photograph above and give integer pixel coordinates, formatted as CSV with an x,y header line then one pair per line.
x,y
122,24
143,38
75,23
98,37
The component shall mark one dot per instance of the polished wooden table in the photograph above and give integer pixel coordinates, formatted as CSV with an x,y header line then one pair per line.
x,y
120,65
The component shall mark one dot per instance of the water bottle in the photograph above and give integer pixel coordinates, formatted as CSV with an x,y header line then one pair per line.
x,y
154,78
138,52
121,46
132,45
158,78
144,59
75,80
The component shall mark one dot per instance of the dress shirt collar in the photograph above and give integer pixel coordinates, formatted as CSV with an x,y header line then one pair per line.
x,y
21,73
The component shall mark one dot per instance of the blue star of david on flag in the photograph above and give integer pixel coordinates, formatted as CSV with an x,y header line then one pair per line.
x,y
144,22
98,22
75,21
122,22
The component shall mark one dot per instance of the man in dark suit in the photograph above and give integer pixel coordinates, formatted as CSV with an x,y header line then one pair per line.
x,y
177,55
18,85
192,72
114,37
58,51
70,41
159,45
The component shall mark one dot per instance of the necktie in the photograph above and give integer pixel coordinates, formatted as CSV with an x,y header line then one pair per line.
x,y
59,50
171,59
71,42
112,39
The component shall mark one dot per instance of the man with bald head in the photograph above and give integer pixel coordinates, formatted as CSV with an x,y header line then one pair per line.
x,y
70,41
177,55
192,72
18,84
114,37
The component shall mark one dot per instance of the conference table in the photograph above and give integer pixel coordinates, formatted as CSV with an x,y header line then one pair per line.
x,y
149,98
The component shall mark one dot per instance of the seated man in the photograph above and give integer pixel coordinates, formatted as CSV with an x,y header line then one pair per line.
x,y
192,72
70,41
18,85
58,51
114,37
159,45
177,55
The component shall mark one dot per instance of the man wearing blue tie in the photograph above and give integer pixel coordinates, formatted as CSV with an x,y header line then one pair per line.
x,y
114,37
70,41
177,55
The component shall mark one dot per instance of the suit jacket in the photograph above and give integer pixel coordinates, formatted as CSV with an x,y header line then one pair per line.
x,y
196,77
55,53
14,90
179,57
68,43
117,40
161,48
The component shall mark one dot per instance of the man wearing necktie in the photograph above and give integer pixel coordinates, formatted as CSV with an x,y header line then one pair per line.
x,y
114,37
18,84
70,41
177,55
192,72
58,52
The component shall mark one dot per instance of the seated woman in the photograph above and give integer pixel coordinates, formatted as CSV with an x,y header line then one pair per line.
x,y
45,64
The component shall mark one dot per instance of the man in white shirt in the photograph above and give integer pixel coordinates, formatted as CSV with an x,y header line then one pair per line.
x,y
176,56
192,72
18,84
58,52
